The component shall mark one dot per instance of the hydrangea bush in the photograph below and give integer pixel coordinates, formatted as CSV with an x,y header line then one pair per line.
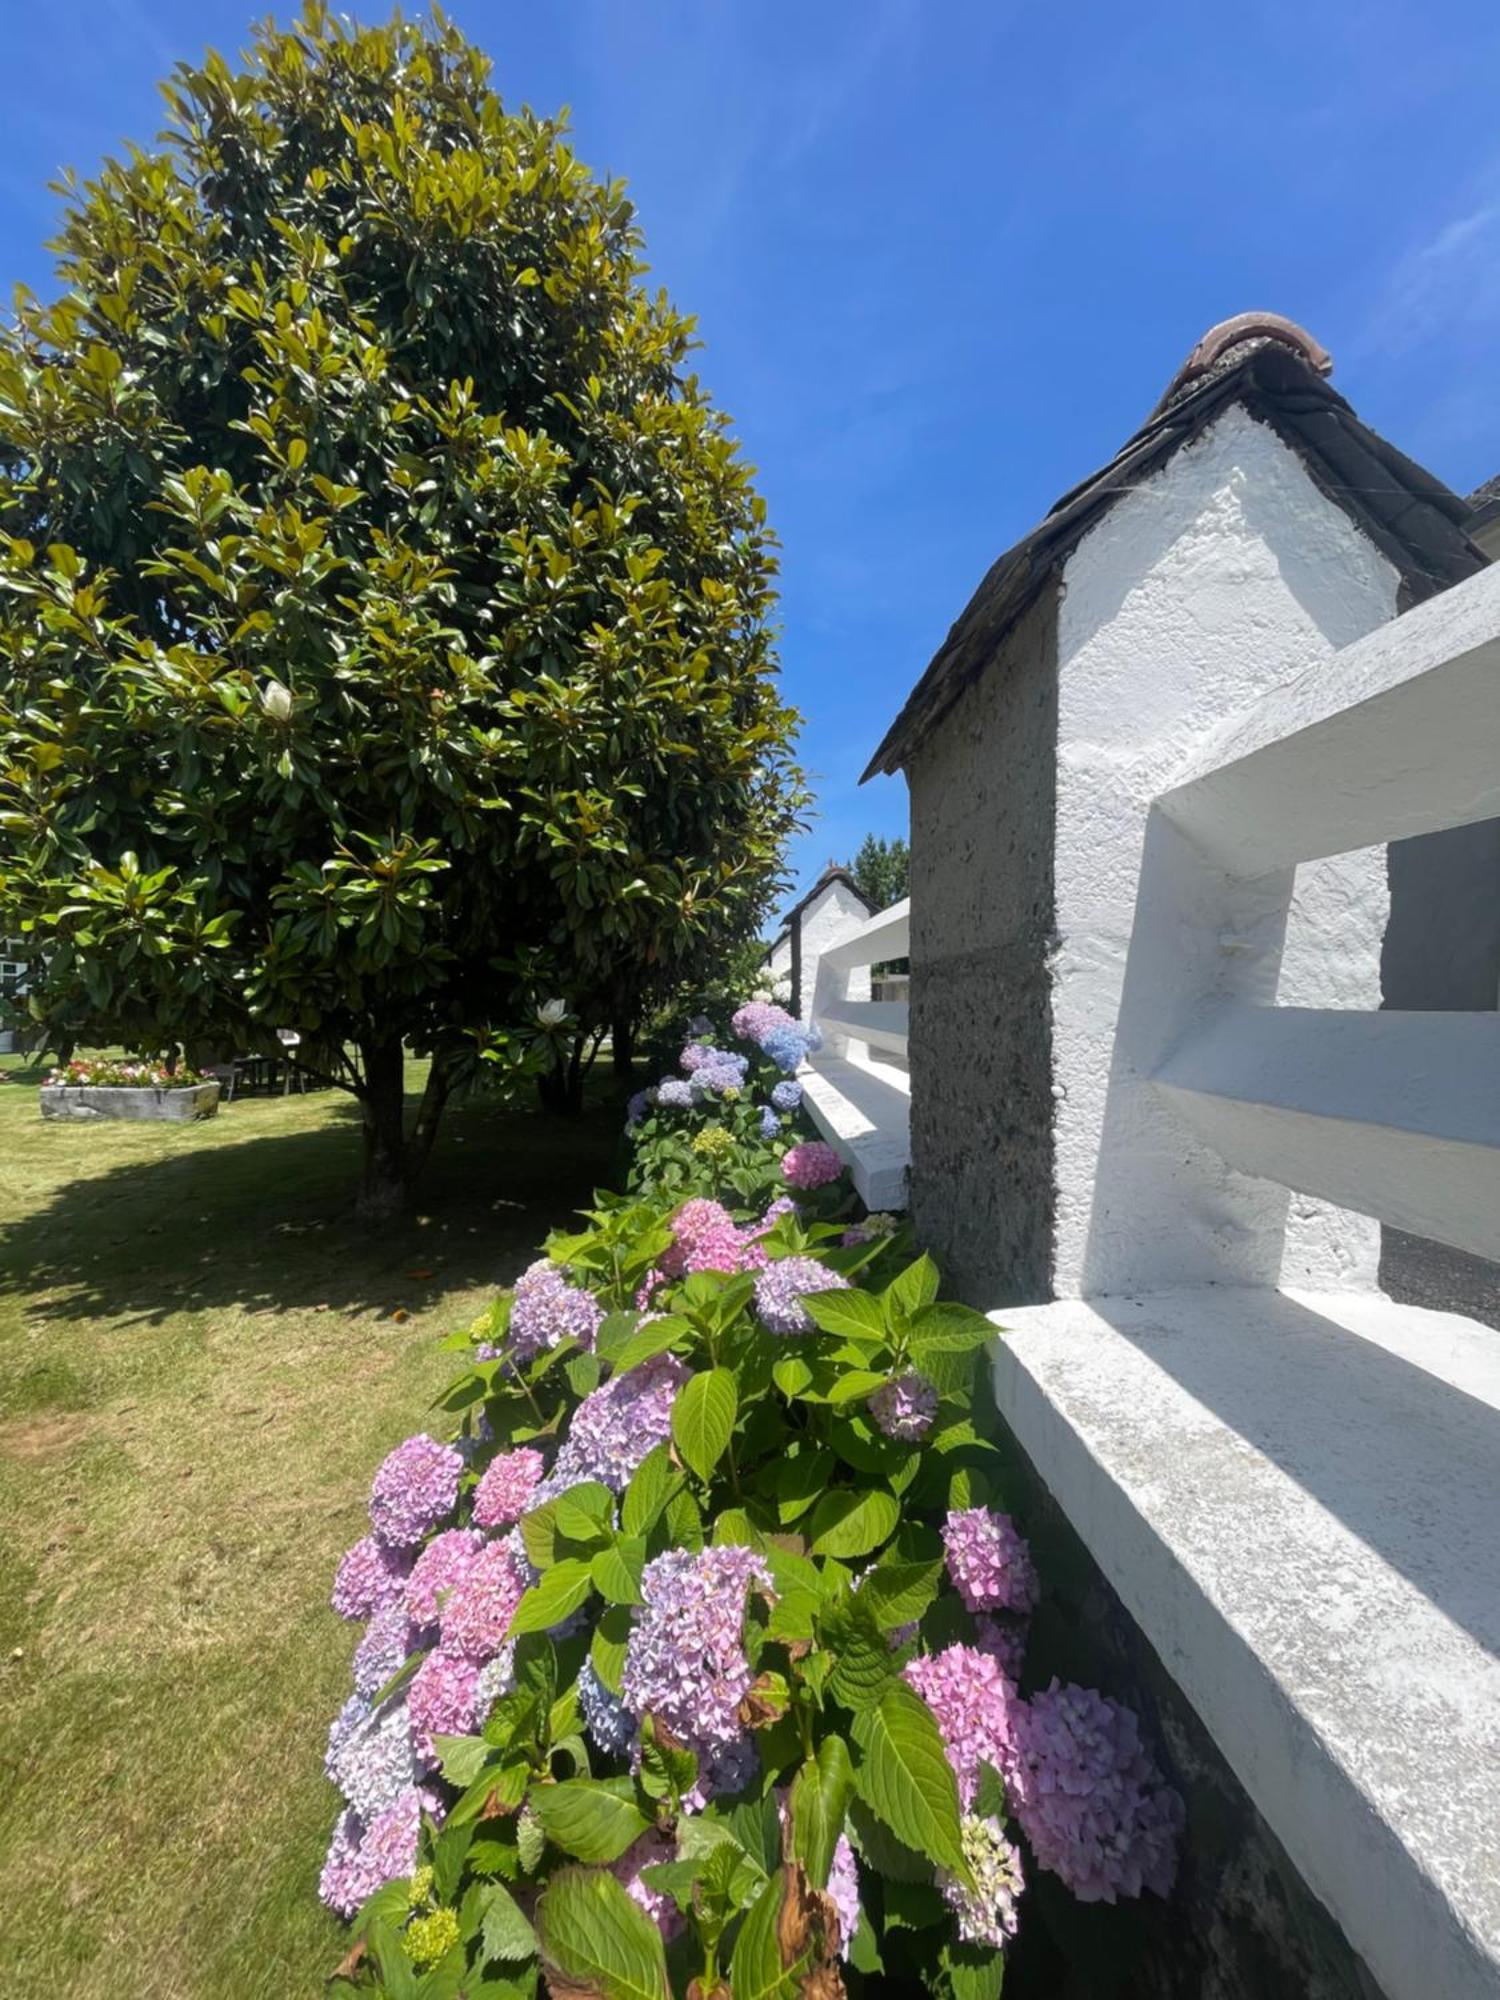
x,y
726,1117
694,1659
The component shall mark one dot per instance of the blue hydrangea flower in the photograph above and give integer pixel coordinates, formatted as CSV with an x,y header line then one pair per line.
x,y
606,1718
786,1047
787,1096
770,1124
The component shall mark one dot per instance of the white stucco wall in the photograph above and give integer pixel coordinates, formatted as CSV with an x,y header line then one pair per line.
x,y
828,919
779,964
1224,574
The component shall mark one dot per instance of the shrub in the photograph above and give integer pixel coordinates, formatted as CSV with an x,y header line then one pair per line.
x,y
725,1702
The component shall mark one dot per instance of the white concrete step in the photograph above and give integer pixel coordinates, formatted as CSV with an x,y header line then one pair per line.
x,y
863,1110
1297,1497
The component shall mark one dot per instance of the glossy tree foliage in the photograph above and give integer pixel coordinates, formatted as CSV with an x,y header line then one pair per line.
x,y
384,640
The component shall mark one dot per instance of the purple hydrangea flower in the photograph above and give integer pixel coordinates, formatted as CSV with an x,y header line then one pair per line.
x,y
674,1093
685,1661
414,1489
786,1096
441,1700
377,1763
904,1407
482,1603
504,1493
976,1708
615,1426
770,1124
811,1165
369,1577
389,1638
779,1289
546,1310
1090,1800
786,1047
496,1677
718,1079
354,1711
694,1056
843,1888
606,1718
986,1913
647,1852
759,1018
989,1561
1004,1640
444,1560
362,1859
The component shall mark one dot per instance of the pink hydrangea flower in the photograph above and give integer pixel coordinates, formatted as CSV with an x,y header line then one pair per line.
x,y
989,1561
1005,1641
370,1576
416,1486
755,1020
445,1559
482,1603
1090,1800
363,1859
811,1165
976,1709
504,1492
442,1700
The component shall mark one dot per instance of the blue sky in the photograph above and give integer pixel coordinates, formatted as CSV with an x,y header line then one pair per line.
x,y
946,257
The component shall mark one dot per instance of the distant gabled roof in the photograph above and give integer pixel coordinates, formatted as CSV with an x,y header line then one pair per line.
x,y
1276,371
832,873
1484,503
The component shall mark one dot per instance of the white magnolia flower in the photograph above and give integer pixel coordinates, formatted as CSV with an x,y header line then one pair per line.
x,y
552,1013
276,700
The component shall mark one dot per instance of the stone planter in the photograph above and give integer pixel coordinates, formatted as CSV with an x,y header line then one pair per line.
x,y
107,1100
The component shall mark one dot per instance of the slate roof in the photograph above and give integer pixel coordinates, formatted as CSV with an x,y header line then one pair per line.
x,y
1484,502
1276,371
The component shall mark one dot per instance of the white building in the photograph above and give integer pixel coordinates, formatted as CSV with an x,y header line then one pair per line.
x,y
832,908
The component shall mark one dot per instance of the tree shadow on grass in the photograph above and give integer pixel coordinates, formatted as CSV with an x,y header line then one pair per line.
x,y
263,1219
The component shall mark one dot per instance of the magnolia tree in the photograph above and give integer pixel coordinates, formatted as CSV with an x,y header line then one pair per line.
x,y
383,634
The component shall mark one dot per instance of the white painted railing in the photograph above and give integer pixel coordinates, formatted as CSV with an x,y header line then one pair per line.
x,y
856,1087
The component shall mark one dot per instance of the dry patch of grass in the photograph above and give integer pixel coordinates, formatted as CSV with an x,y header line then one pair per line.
x,y
201,1360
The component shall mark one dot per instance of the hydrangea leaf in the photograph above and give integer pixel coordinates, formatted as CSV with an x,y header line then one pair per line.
x,y
607,1648
851,1522
617,1570
890,1858
597,1939
461,1758
853,1314
756,1968
591,1819
899,1593
989,1793
904,1776
649,1341
703,1420
912,1289
562,1589
792,1375
798,1482
505,1934
821,1792
854,1384
974,1971
652,1486
585,1512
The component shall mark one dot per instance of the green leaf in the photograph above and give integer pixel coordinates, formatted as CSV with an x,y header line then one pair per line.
x,y
912,1289
898,1593
683,1520
891,1859
853,1314
649,1341
617,1570
989,1793
798,1482
585,1511
854,1385
598,1939
756,1971
461,1758
505,1933
974,1971
539,1535
703,1420
821,1792
607,1647
864,1664
562,1589
792,1374
850,1522
656,1480
593,1819
904,1776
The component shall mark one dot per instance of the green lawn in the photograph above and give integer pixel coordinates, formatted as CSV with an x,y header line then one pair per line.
x,y
202,1358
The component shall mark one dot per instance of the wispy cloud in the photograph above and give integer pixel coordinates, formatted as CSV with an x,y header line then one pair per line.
x,y
1447,283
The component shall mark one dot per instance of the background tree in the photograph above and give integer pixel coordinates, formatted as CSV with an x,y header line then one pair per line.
x,y
881,870
383,606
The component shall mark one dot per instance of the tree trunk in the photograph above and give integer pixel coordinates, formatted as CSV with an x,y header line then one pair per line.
x,y
622,1047
384,1183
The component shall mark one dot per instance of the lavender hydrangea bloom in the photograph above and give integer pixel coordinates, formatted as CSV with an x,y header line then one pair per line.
x,y
1090,1800
496,1677
650,1850
694,1056
759,1018
718,1078
615,1426
505,1491
440,1565
362,1859
786,1047
369,1577
779,1289
482,1603
415,1487
606,1718
770,1124
441,1700
685,1661
355,1711
1004,1640
843,1888
904,1407
377,1763
977,1712
389,1638
786,1096
989,1561
986,1913
546,1310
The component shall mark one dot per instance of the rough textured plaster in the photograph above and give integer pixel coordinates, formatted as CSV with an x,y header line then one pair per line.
x,y
1226,573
